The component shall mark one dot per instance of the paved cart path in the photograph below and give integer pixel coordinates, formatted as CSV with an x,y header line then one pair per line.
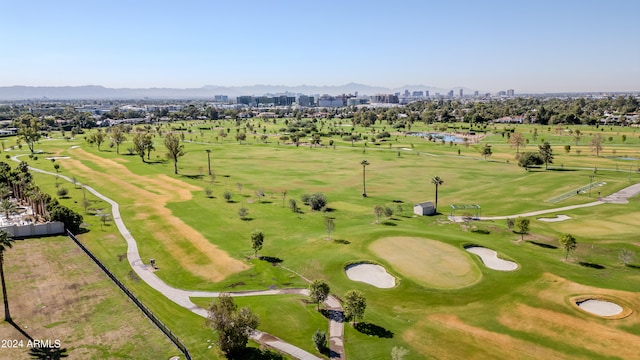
x,y
619,197
182,297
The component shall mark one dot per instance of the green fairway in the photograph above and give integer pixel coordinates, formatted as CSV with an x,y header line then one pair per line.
x,y
447,304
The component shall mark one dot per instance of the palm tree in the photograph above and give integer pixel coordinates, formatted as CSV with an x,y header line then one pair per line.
x,y
209,160
437,181
5,243
364,164
48,353
8,207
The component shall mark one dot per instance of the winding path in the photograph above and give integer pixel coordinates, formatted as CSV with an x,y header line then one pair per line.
x,y
619,197
182,297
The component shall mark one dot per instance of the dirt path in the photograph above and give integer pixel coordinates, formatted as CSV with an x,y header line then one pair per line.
x,y
182,297
619,197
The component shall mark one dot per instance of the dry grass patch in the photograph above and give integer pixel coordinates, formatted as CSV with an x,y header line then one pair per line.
x,y
451,338
149,195
56,292
428,262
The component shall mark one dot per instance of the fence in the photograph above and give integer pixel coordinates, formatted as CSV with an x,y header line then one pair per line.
x,y
135,300
573,193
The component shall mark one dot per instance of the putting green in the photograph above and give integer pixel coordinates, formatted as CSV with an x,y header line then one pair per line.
x,y
428,262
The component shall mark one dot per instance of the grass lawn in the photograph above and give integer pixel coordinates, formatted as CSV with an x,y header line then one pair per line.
x,y
447,304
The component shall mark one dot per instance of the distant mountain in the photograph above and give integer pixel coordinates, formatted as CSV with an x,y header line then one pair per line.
x,y
93,92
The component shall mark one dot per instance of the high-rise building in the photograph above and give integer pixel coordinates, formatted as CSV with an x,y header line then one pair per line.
x,y
511,92
461,93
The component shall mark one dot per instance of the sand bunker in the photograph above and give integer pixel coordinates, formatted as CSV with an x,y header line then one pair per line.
x,y
600,307
555,219
491,260
371,274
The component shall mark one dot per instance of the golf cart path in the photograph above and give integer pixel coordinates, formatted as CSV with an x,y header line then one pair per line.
x,y
182,297
619,197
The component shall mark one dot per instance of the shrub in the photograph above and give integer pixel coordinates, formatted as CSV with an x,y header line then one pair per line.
x,y
63,192
317,201
305,198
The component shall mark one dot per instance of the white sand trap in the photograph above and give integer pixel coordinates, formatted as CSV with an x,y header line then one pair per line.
x,y
406,149
600,307
555,219
491,260
58,157
371,274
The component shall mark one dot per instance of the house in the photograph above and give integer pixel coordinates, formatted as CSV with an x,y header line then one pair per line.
x,y
425,208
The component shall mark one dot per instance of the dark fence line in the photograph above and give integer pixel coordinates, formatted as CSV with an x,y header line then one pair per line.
x,y
176,341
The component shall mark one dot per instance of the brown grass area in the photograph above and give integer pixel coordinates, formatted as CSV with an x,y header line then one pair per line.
x,y
594,336
429,262
452,338
56,293
150,194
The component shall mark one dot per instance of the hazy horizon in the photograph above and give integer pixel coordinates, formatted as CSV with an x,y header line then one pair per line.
x,y
534,47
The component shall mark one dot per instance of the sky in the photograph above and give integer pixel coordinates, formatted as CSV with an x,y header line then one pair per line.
x,y
491,45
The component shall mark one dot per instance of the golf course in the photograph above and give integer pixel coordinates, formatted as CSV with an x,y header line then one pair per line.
x,y
443,302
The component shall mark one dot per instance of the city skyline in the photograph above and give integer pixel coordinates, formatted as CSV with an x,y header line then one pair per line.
x,y
535,47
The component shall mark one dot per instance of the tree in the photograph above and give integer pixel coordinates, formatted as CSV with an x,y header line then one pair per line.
x,y
364,164
378,210
142,143
227,196
546,153
320,340
317,201
530,159
626,256
243,212
293,205
355,304
329,224
596,144
577,135
567,149
6,242
233,326
48,353
318,291
517,140
118,137
522,225
257,239
97,138
174,149
209,160
29,130
71,219
398,353
568,243
437,181
486,151
8,207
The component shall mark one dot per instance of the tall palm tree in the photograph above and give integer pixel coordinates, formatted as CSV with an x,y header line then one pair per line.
x,y
364,164
437,181
6,242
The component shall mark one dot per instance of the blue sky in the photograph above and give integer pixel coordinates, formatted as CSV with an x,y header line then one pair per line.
x,y
530,46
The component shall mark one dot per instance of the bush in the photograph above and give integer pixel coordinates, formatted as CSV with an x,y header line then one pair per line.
x,y
63,192
317,201
305,198
71,219
320,340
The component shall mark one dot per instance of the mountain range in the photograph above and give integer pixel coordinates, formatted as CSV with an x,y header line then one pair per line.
x,y
94,92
